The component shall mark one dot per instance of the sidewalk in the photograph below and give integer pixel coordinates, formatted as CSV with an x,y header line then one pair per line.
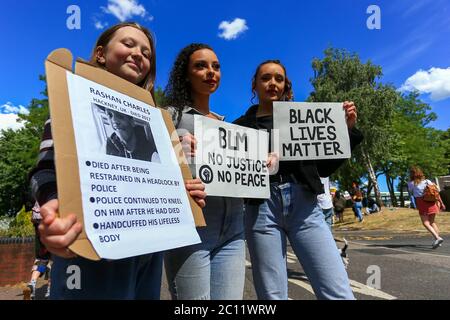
x,y
15,292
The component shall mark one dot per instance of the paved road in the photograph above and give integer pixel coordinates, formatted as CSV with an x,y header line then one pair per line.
x,y
407,267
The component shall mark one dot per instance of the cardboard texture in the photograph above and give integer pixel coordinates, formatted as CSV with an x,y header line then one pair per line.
x,y
67,173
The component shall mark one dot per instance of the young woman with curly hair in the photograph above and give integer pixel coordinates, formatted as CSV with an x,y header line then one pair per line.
x,y
214,269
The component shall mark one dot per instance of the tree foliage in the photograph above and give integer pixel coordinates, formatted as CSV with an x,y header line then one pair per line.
x,y
341,76
18,155
395,125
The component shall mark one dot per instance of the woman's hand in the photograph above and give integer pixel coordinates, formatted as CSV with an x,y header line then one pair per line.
x,y
196,189
350,113
189,145
273,163
58,233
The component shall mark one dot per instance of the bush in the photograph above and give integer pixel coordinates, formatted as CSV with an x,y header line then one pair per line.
x,y
20,227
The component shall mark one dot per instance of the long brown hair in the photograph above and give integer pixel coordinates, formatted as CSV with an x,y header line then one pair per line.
x,y
288,94
149,81
416,175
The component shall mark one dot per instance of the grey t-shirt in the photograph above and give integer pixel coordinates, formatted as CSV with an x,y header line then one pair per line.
x,y
185,124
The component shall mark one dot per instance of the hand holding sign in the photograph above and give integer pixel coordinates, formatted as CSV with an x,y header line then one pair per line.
x,y
58,233
273,163
350,113
197,190
189,145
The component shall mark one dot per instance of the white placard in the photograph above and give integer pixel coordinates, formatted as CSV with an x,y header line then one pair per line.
x,y
231,160
133,195
309,131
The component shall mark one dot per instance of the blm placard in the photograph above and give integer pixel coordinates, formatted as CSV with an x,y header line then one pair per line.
x,y
231,160
311,130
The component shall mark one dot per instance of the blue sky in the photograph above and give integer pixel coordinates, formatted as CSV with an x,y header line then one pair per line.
x,y
412,45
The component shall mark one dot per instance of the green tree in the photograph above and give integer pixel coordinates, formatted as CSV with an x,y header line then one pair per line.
x,y
414,144
18,151
18,154
341,76
159,97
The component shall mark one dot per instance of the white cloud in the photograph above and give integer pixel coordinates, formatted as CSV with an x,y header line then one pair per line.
x,y
9,121
231,30
126,9
9,108
435,81
100,25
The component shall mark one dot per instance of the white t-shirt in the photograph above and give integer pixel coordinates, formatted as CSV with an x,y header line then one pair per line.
x,y
417,190
325,200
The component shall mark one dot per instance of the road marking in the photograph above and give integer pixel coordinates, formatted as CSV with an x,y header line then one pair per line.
x,y
369,291
355,285
400,250
248,264
302,284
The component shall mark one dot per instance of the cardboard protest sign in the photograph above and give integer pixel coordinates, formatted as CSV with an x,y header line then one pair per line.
x,y
115,164
231,160
309,131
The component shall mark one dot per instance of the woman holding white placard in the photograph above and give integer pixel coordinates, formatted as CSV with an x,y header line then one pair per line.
x,y
214,269
126,50
292,212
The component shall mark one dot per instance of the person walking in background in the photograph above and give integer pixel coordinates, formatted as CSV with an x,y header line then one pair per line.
x,y
427,209
41,265
357,197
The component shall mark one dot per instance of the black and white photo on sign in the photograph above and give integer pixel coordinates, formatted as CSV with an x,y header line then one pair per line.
x,y
123,135
310,130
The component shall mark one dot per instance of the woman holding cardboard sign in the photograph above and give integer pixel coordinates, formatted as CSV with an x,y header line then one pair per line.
x,y
214,269
292,211
126,50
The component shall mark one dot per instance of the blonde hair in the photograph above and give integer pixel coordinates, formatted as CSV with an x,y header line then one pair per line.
x,y
149,81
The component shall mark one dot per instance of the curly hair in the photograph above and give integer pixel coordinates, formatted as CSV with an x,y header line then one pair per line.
x,y
416,175
288,94
178,89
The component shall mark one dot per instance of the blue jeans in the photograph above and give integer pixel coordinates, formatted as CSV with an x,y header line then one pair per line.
x,y
328,213
126,279
215,268
357,206
292,212
372,209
